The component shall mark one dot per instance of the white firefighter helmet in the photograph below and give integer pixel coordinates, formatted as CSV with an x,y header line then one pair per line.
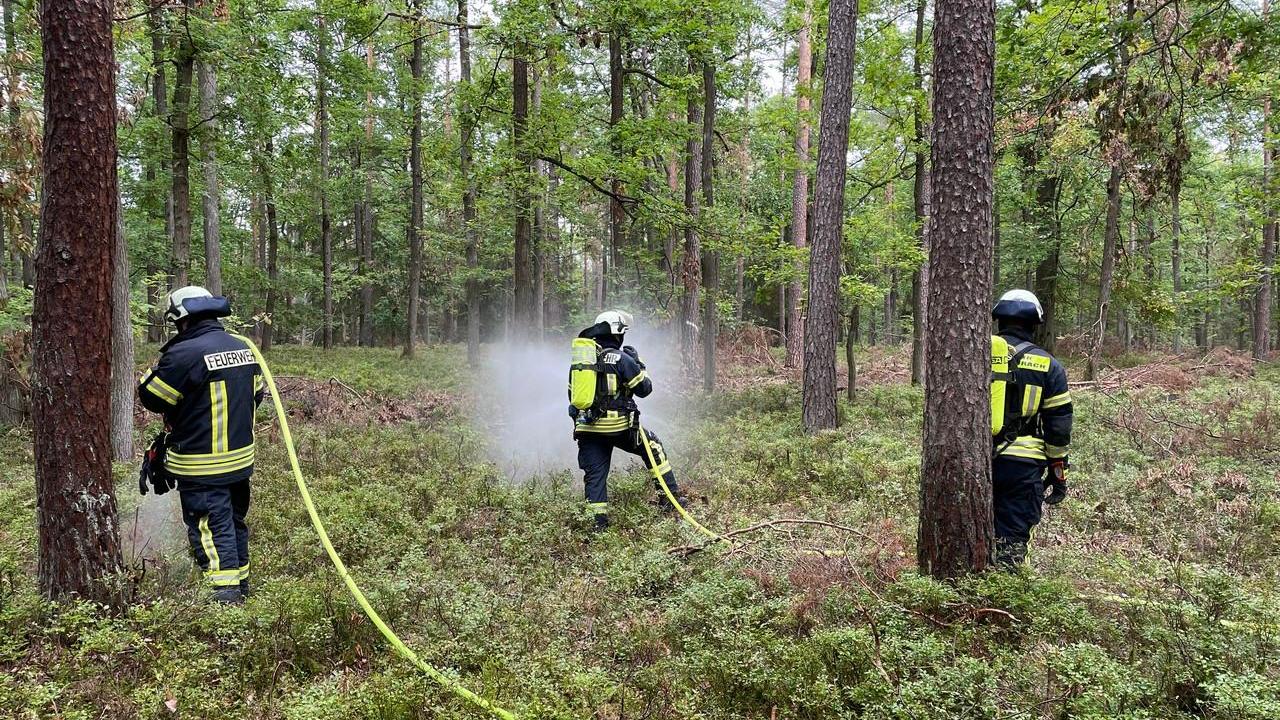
x,y
181,305
1019,305
619,321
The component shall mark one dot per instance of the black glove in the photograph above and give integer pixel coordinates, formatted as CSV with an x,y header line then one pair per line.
x,y
573,412
633,354
153,471
1056,481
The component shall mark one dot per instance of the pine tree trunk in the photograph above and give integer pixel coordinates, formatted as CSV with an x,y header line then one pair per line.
x,y
710,258
1110,244
212,199
692,268
522,270
415,192
956,532
823,321
160,108
919,292
466,128
273,245
617,230
24,243
800,186
368,215
1270,227
79,541
122,362
180,126
326,229
850,355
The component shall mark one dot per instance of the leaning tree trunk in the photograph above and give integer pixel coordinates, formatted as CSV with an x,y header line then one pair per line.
x,y
79,541
466,128
415,192
180,125
823,322
212,199
956,532
710,259
122,362
800,187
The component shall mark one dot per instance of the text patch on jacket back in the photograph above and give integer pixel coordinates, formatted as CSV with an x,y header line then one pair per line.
x,y
228,359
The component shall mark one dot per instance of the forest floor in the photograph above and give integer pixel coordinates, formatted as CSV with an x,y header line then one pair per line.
x,y
1152,592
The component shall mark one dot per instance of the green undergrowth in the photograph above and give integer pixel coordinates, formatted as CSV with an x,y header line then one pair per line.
x,y
1153,591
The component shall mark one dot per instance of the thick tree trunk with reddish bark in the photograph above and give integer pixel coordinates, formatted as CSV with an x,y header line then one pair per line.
x,y
800,187
823,321
956,532
79,541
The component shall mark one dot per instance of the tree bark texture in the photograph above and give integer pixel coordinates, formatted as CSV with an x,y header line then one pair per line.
x,y
710,258
79,541
800,185
691,270
956,532
326,228
466,125
522,275
920,207
180,127
122,361
415,191
823,321
212,199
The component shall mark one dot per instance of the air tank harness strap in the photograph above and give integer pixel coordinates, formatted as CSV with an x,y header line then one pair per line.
x,y
447,682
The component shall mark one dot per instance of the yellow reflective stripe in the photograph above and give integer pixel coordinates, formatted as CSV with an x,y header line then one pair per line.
x,y
1056,401
223,578
612,383
218,416
244,572
161,389
599,507
210,550
1028,454
210,468
637,379
663,469
1031,400
1026,447
1055,451
187,458
258,385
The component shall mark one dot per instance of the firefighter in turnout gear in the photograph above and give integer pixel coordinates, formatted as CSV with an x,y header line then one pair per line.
x,y
207,386
1029,454
608,417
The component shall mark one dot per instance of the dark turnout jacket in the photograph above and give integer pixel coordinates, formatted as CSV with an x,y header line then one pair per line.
x,y
207,385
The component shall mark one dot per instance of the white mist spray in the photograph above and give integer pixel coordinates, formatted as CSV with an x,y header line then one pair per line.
x,y
525,403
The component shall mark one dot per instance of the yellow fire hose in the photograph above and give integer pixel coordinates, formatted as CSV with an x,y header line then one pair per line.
x,y
447,682
671,498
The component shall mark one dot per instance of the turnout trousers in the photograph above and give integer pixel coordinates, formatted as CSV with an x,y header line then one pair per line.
x,y
1017,495
219,537
595,453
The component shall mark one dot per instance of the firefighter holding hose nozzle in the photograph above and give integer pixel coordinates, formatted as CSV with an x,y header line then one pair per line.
x,y
604,380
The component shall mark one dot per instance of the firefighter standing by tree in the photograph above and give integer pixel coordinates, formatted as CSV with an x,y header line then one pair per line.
x,y
1034,431
207,385
604,380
